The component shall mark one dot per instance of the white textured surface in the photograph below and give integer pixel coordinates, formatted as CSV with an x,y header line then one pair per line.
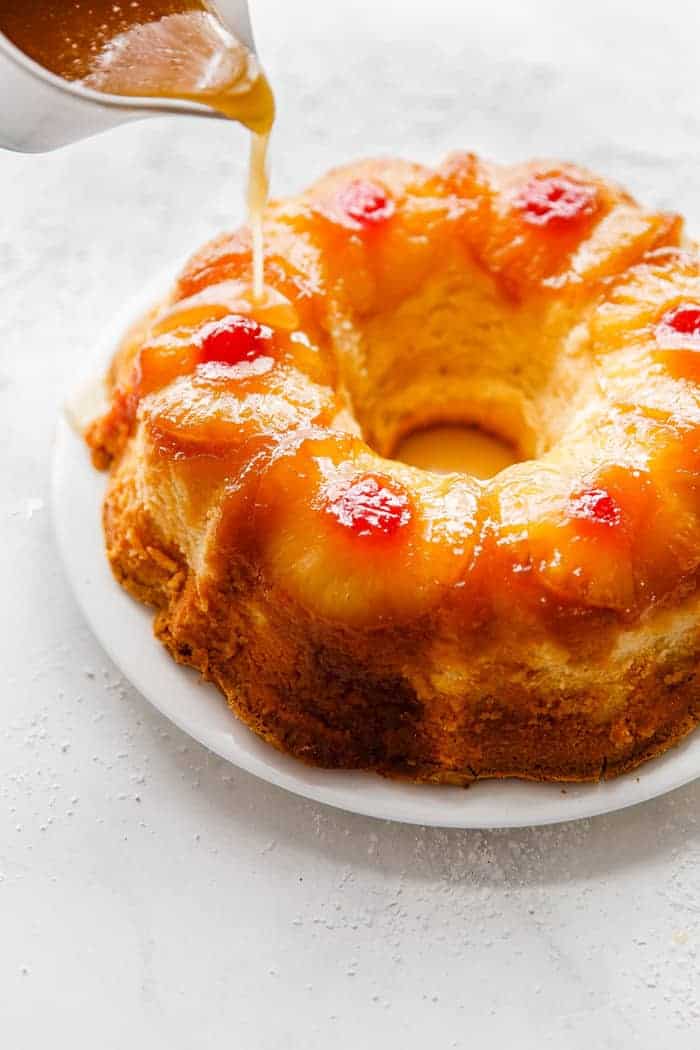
x,y
152,896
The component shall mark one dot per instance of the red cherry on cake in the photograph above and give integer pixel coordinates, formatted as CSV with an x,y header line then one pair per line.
x,y
680,326
234,339
370,506
366,203
555,200
597,506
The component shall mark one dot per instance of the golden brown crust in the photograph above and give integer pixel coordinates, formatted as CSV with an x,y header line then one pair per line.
x,y
338,699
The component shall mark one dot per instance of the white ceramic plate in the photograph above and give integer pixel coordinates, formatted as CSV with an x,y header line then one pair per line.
x,y
124,628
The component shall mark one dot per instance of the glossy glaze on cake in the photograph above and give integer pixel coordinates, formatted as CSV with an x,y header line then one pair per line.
x,y
361,613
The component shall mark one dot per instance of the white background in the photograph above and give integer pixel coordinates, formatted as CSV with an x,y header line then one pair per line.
x,y
153,897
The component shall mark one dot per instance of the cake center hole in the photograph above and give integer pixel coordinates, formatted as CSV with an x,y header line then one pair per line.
x,y
448,447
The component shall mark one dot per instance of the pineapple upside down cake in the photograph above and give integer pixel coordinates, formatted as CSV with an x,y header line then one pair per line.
x,y
361,613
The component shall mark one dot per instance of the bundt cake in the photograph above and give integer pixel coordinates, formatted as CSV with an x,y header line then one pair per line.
x,y
361,613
